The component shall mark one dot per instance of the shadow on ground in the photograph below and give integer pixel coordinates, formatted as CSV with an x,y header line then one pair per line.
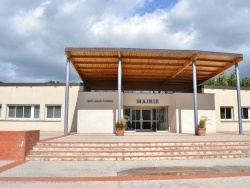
x,y
182,171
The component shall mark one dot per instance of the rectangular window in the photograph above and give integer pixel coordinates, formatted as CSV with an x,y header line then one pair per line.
x,y
23,112
53,112
36,111
245,113
226,113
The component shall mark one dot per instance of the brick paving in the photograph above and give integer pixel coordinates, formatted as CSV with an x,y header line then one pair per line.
x,y
98,172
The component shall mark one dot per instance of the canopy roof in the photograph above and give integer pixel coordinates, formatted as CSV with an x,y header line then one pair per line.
x,y
147,69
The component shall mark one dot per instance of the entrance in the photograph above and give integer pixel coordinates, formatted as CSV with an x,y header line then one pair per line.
x,y
144,119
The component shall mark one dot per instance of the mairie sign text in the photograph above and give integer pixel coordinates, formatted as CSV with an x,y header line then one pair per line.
x,y
147,101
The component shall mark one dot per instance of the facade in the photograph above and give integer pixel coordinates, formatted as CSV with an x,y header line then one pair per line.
x,y
41,107
156,88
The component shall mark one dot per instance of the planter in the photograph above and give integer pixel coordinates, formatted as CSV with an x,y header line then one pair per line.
x,y
201,131
120,132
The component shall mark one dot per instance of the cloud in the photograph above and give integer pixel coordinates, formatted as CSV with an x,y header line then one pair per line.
x,y
34,34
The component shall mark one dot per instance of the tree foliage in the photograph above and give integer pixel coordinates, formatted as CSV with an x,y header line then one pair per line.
x,y
224,80
245,81
52,81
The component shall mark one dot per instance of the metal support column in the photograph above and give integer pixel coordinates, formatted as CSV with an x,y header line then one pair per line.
x,y
119,88
195,97
238,97
66,112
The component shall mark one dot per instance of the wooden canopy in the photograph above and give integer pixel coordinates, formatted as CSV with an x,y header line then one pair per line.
x,y
147,69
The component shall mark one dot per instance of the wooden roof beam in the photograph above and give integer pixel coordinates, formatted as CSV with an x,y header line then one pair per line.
x,y
194,57
236,60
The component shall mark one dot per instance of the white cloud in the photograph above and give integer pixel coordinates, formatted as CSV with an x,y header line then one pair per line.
x,y
29,22
70,7
40,30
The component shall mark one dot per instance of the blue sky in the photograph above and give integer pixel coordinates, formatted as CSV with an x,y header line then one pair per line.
x,y
152,5
34,34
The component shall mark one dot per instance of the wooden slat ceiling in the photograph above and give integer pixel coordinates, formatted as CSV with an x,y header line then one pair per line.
x,y
147,69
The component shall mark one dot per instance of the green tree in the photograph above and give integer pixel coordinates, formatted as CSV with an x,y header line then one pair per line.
x,y
245,81
222,80
231,80
52,81
210,82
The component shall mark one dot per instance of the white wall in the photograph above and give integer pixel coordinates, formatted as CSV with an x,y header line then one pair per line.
x,y
38,95
187,120
95,121
227,97
96,112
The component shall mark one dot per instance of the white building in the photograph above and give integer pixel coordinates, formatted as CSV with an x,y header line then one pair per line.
x,y
152,87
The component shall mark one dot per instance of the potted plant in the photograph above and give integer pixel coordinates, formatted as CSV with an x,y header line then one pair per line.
x,y
202,126
121,125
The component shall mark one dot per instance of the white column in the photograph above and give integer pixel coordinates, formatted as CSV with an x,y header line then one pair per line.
x,y
195,97
66,112
238,97
119,88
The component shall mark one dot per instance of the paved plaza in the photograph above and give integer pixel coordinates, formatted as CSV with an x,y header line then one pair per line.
x,y
232,172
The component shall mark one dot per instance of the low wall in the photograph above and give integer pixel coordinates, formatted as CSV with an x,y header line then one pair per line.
x,y
15,145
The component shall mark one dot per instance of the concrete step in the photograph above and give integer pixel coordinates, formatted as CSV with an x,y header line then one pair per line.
x,y
111,144
145,157
139,153
138,150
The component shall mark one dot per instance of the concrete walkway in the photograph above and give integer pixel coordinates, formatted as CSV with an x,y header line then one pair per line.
x,y
125,174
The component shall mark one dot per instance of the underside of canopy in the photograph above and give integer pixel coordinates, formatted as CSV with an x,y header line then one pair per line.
x,y
147,69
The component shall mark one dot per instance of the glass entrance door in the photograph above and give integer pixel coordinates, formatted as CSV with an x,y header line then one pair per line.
x,y
141,120
146,119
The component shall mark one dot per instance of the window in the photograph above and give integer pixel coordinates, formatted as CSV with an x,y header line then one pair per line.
x,y
245,112
24,112
226,113
53,112
0,111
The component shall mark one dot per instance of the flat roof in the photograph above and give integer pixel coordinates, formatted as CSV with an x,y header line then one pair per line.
x,y
147,69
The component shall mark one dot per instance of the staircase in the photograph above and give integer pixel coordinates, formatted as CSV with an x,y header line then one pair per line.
x,y
92,151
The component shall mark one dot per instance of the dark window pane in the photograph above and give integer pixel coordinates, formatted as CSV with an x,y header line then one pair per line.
x,y
19,112
36,111
222,113
228,113
50,111
127,112
12,111
245,113
27,111
146,114
57,112
154,114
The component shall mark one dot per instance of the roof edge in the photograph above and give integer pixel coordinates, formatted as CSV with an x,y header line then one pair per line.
x,y
41,84
68,49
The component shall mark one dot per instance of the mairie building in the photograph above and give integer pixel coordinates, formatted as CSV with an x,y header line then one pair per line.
x,y
160,91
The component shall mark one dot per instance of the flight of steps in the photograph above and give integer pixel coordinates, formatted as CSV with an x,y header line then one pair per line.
x,y
92,151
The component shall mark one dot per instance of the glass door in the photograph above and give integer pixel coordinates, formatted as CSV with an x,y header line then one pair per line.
x,y
136,119
146,119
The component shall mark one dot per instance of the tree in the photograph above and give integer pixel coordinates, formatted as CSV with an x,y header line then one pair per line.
x,y
245,81
210,82
222,80
52,81
231,80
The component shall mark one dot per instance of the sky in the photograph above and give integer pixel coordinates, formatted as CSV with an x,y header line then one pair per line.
x,y
34,34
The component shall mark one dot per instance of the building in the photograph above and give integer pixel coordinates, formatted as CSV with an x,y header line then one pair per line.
x,y
153,87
